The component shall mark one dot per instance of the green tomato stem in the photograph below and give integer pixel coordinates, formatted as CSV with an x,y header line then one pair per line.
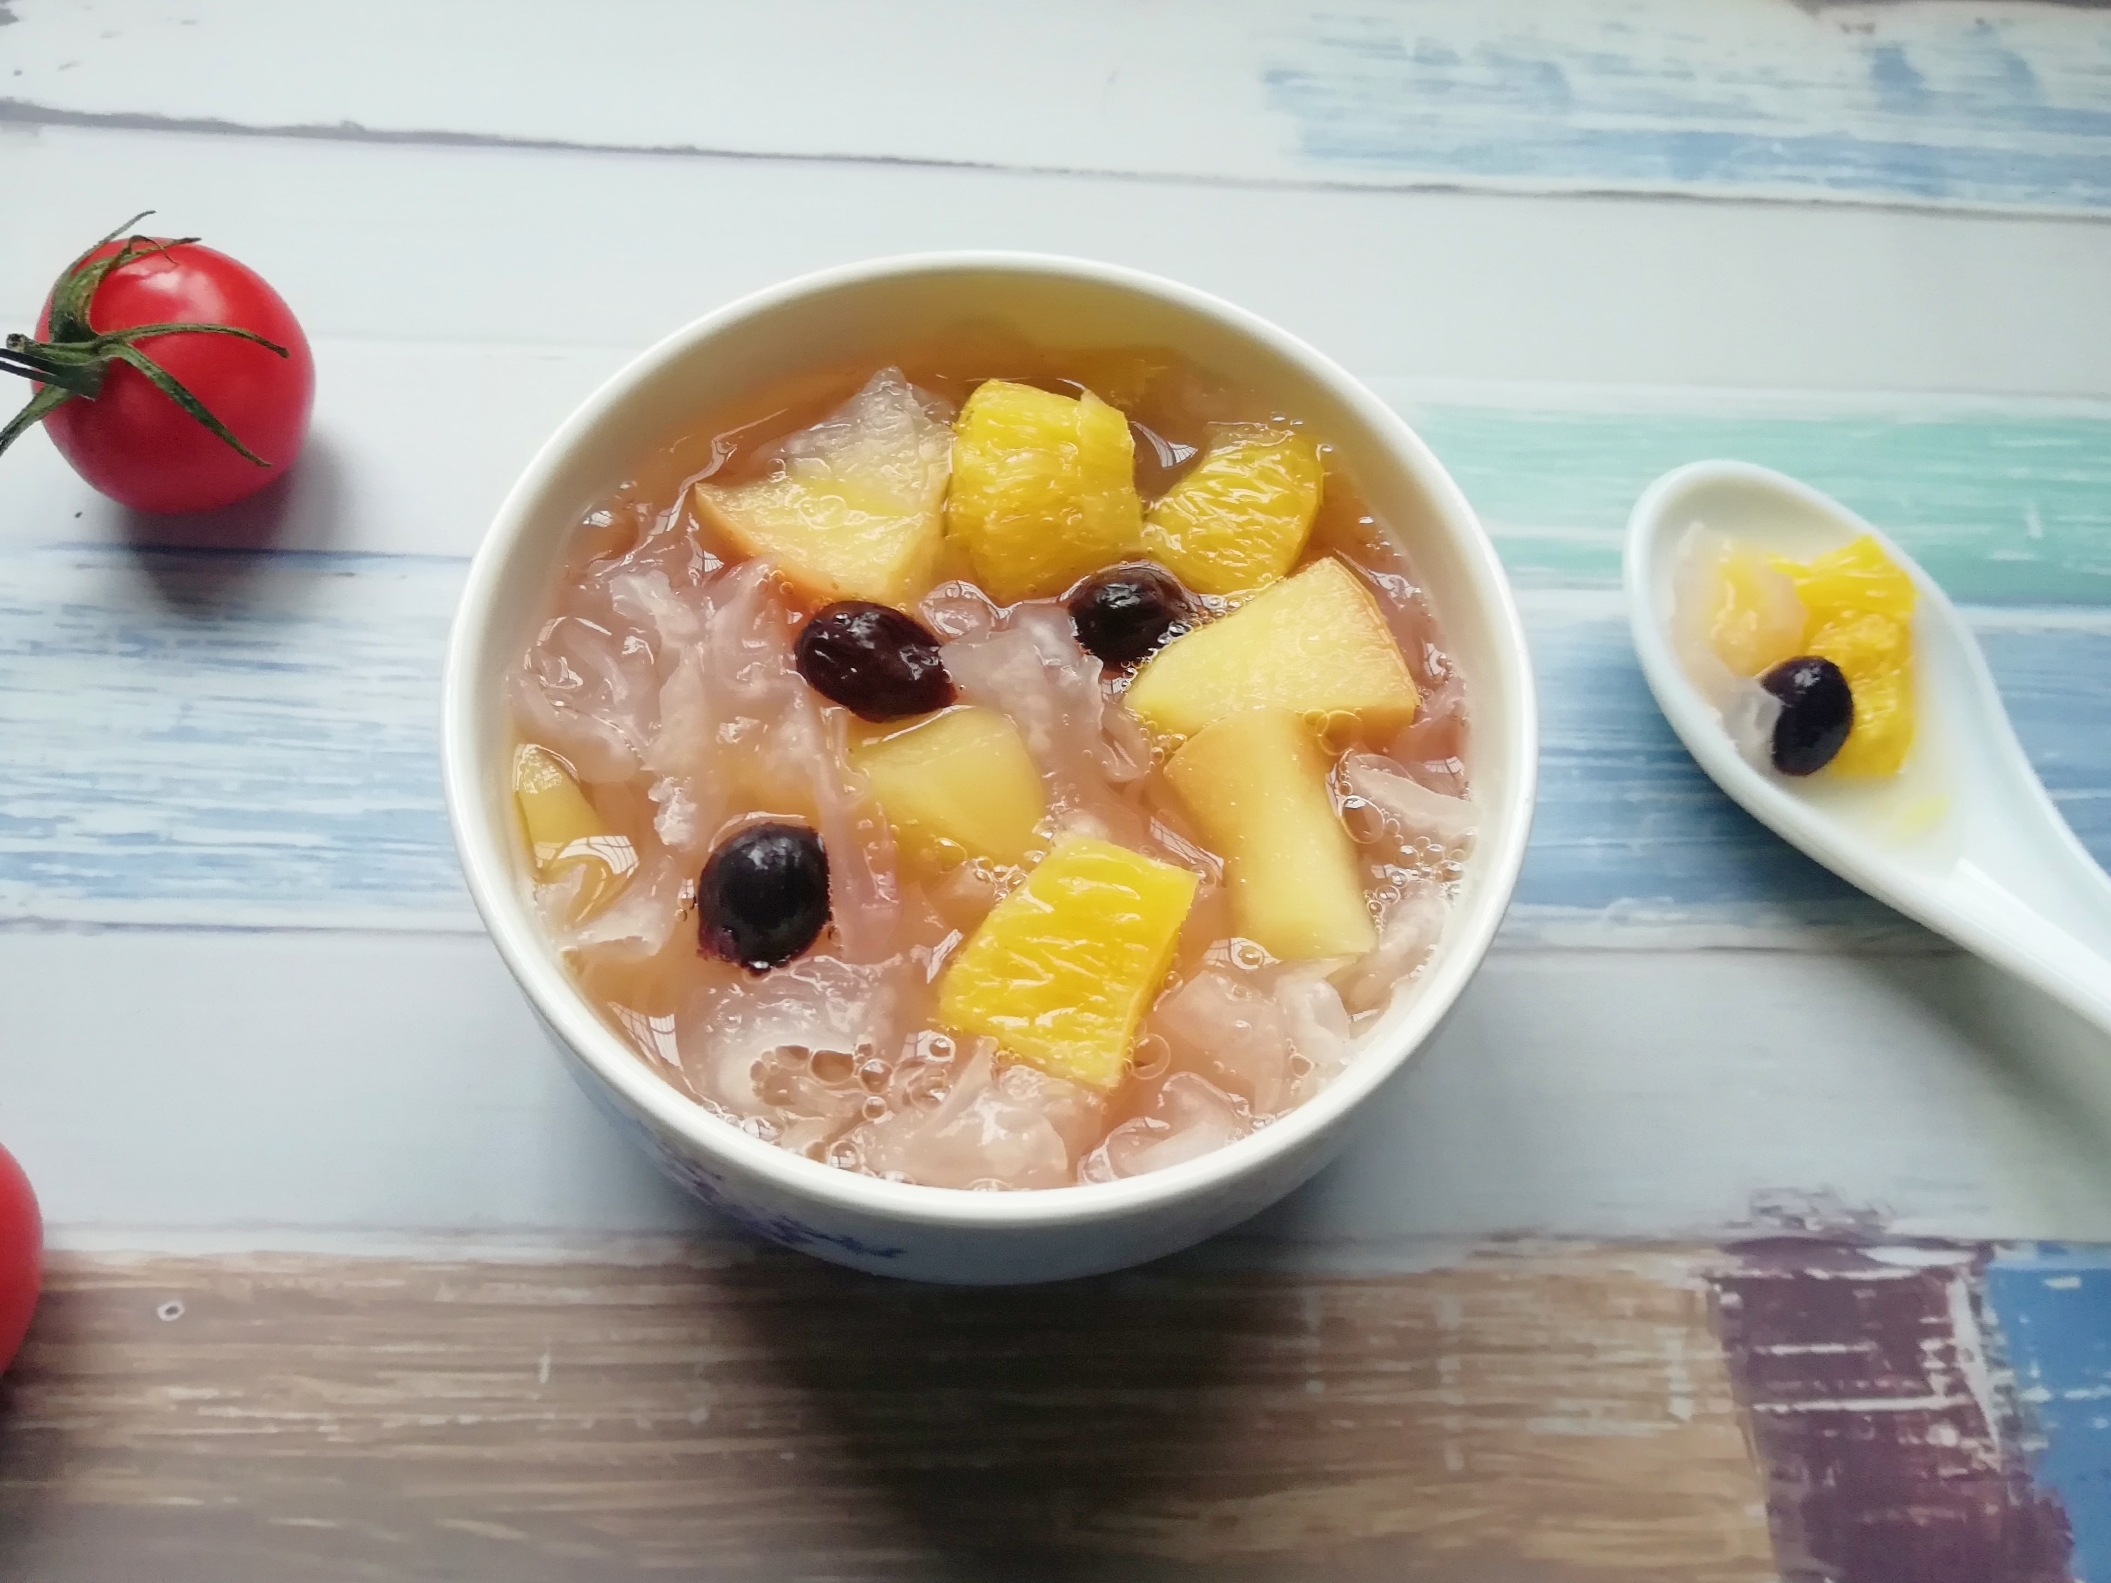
x,y
74,360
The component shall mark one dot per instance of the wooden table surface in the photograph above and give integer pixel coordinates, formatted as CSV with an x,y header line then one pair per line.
x,y
1733,1230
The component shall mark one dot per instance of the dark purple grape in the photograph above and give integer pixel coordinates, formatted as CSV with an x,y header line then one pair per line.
x,y
763,896
873,660
1817,712
1123,614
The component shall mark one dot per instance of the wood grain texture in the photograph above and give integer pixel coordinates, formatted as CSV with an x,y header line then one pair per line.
x,y
390,1093
614,250
1882,1407
1996,106
1545,1416
2054,1306
2002,503
233,738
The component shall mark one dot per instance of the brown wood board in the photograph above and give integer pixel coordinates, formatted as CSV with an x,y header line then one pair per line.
x,y
1535,1414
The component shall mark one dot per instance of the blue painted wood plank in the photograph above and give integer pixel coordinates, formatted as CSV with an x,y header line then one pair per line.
x,y
228,739
2054,1308
224,738
1630,830
2004,105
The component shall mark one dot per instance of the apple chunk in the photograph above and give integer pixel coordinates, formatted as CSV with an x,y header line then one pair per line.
x,y
853,509
1314,644
957,783
1257,785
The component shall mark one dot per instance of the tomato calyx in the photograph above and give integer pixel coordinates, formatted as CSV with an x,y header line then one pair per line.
x,y
73,361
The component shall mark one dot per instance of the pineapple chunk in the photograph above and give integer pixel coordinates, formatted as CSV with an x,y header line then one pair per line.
x,y
564,832
1044,489
1861,618
1314,644
958,782
853,509
1064,967
1237,520
1257,784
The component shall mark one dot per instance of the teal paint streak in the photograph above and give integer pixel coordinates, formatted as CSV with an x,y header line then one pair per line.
x,y
2000,510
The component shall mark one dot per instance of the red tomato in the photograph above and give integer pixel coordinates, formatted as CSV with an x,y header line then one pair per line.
x,y
134,443
21,1256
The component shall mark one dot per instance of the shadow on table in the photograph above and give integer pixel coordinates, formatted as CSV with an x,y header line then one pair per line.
x,y
1080,1430
202,563
2051,1067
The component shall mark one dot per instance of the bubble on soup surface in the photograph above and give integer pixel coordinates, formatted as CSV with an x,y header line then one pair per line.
x,y
737,1037
1414,812
1188,1118
997,1124
1233,1033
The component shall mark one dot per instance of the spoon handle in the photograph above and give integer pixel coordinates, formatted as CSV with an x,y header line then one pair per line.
x,y
1988,918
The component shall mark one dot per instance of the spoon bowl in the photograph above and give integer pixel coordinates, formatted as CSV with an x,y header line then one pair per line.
x,y
1964,838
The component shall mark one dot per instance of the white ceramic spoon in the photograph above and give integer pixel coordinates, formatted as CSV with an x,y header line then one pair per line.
x,y
1964,838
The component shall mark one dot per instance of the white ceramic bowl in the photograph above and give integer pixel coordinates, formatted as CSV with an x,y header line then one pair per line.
x,y
941,1234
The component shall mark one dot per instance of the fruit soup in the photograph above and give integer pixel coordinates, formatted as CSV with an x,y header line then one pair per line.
x,y
992,767
1809,664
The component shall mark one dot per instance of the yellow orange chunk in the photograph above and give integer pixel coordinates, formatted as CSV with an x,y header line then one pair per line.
x,y
1257,785
1237,519
1044,489
1315,644
1861,618
1064,967
957,784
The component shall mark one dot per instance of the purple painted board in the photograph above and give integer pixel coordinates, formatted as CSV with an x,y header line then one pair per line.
x,y
1870,1380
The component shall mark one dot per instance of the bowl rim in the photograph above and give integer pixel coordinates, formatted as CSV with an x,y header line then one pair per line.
x,y
488,862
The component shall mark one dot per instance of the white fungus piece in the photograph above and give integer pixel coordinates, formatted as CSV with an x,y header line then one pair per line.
x,y
1188,1118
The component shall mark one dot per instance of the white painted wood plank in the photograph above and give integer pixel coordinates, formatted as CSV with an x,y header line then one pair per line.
x,y
455,245
167,1089
2000,104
